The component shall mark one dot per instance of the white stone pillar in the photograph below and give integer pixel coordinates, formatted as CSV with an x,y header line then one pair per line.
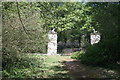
x,y
95,37
52,44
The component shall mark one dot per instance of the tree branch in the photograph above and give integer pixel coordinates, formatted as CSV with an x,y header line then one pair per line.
x,y
21,21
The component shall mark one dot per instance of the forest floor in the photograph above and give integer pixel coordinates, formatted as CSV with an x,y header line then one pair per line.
x,y
78,70
55,66
64,67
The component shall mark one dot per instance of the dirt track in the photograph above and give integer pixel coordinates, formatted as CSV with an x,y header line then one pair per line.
x,y
78,70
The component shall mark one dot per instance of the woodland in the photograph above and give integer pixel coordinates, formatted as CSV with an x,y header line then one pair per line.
x,y
25,27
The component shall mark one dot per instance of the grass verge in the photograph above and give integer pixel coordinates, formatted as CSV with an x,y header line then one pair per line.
x,y
36,66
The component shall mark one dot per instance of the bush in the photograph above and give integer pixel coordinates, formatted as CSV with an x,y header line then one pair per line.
x,y
28,66
94,55
78,54
97,55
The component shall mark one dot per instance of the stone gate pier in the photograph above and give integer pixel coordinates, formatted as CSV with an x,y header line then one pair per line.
x,y
52,44
95,37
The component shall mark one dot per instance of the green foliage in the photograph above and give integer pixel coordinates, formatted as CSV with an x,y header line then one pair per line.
x,y
94,56
106,52
28,66
36,66
19,37
78,54
104,20
25,27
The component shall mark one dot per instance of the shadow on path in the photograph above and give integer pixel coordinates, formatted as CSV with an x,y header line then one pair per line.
x,y
78,70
